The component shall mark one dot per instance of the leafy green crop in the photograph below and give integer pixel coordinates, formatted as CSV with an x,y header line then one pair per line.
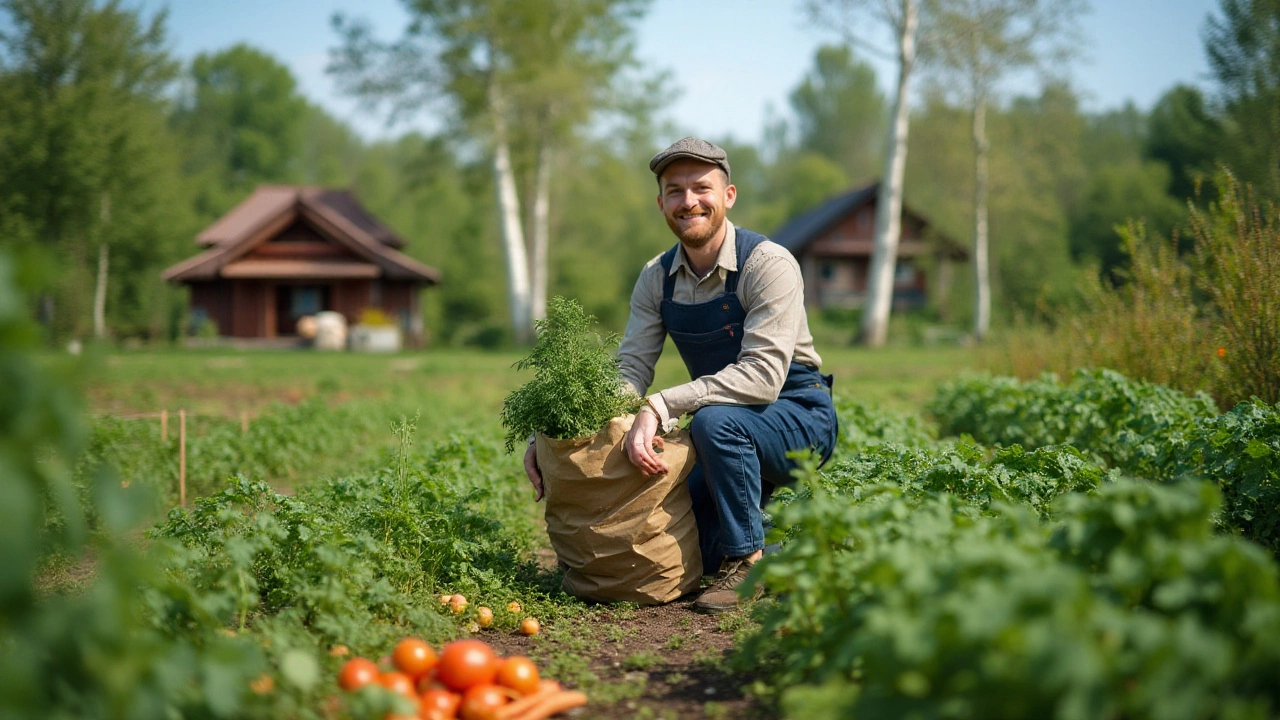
x,y
951,580
1240,451
1122,422
1138,428
576,388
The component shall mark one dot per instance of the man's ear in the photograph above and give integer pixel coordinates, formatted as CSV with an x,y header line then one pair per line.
x,y
659,199
730,195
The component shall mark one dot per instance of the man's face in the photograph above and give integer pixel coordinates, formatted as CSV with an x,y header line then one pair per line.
x,y
693,197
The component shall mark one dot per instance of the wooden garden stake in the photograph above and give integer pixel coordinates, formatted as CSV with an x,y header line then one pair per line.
x,y
182,457
164,426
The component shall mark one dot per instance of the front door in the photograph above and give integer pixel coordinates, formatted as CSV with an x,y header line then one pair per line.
x,y
294,301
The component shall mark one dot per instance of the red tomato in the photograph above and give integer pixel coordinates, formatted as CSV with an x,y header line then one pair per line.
x,y
429,681
520,674
413,657
438,704
399,683
466,663
356,673
481,702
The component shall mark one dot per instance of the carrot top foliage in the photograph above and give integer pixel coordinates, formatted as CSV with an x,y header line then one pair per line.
x,y
576,388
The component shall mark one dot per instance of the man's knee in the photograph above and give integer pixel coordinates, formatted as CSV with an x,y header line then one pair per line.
x,y
717,422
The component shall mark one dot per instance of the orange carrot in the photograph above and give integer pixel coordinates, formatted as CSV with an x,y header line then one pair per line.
x,y
519,705
553,704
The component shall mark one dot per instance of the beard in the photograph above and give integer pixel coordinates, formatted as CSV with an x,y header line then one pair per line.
x,y
700,233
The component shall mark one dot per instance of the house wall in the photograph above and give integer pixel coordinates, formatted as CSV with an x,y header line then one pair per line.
x,y
212,300
253,311
835,264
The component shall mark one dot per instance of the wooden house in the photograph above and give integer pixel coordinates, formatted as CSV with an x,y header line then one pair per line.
x,y
286,252
833,244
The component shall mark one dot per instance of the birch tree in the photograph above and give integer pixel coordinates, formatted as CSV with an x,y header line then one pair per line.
x,y
975,44
519,76
902,18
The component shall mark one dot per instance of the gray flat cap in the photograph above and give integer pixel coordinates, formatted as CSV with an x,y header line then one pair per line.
x,y
694,148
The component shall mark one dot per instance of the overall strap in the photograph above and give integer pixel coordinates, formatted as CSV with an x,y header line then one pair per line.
x,y
746,241
668,279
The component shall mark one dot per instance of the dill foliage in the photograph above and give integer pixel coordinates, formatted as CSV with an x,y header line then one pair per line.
x,y
576,388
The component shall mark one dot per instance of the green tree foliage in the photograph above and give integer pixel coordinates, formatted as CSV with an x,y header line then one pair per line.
x,y
85,158
1115,195
519,78
1184,134
841,113
1243,46
243,119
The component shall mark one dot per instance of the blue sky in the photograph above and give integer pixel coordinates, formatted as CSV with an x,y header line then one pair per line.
x,y
729,60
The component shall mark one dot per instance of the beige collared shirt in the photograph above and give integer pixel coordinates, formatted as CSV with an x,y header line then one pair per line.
x,y
775,332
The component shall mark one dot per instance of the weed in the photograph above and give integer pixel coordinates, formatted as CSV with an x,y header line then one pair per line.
x,y
641,661
714,710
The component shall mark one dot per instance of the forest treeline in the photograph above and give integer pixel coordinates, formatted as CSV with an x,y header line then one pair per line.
x,y
114,153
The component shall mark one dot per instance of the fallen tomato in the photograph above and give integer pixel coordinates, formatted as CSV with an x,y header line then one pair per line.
x,y
438,704
356,673
399,683
518,673
482,702
465,664
413,657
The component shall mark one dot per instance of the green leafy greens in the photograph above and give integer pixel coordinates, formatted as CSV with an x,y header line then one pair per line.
x,y
576,388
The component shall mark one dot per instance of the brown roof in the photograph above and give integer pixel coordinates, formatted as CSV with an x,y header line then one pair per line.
x,y
336,214
268,201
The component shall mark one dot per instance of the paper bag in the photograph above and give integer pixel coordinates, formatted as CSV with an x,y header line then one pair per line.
x,y
620,535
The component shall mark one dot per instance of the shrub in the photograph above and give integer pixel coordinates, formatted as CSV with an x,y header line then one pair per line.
x,y
1238,257
1204,320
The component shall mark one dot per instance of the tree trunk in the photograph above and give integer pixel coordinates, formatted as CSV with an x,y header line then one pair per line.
x,y
100,295
541,231
981,274
884,256
100,291
509,209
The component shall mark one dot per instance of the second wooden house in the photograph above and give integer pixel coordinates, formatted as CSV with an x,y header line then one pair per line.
x,y
834,241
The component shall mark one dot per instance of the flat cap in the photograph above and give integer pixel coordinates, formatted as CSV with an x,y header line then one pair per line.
x,y
694,148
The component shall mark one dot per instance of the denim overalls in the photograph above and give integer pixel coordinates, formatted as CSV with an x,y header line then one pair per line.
x,y
741,448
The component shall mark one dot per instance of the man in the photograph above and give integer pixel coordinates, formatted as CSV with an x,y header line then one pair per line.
x,y
733,303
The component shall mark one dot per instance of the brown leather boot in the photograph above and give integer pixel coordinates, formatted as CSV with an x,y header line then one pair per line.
x,y
722,595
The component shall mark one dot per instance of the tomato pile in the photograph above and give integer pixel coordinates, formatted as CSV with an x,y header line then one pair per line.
x,y
467,680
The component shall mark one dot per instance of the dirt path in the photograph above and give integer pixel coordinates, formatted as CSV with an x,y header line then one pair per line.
x,y
651,662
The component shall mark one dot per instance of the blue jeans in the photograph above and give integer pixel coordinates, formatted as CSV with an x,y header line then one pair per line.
x,y
742,458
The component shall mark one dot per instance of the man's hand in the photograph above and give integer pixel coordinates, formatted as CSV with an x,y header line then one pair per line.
x,y
531,469
639,444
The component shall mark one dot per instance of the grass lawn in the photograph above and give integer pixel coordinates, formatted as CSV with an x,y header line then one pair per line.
x,y
449,386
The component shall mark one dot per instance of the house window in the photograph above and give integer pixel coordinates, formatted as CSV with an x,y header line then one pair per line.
x,y
904,274
375,293
827,270
305,301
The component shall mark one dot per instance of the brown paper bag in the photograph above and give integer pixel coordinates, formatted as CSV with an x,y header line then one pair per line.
x,y
620,535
